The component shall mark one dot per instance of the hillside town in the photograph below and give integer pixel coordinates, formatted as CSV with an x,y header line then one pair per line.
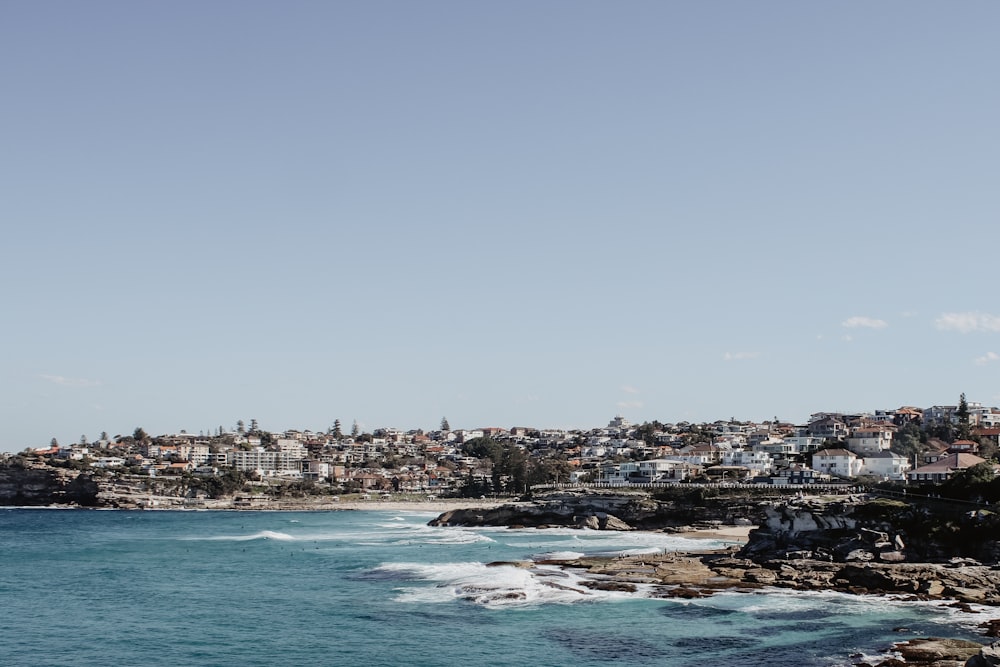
x,y
906,445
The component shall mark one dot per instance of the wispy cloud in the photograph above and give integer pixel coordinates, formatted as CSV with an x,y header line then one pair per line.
x,y
628,389
739,356
629,404
63,381
859,321
968,322
988,358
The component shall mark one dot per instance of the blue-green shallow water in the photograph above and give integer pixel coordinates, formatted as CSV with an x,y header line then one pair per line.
x,y
379,588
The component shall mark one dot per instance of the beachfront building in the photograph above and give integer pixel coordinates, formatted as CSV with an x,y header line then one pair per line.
x,y
837,462
943,469
757,462
886,465
645,472
266,462
798,474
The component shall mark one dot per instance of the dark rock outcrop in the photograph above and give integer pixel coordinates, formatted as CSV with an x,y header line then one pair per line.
x,y
852,544
38,486
862,529
988,656
611,511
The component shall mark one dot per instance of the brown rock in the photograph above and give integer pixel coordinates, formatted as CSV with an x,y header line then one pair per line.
x,y
761,576
937,651
989,656
621,586
992,627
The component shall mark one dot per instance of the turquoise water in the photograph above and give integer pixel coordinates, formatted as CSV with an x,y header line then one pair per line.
x,y
380,588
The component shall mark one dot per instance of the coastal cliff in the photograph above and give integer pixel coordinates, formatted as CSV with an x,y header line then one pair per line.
x,y
40,486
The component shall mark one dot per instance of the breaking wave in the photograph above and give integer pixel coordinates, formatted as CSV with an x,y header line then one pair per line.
x,y
496,585
261,535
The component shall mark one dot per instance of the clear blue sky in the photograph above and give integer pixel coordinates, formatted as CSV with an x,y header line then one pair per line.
x,y
507,213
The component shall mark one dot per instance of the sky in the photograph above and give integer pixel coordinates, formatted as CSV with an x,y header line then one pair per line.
x,y
508,214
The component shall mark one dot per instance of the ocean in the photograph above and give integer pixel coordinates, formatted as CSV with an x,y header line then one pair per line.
x,y
369,588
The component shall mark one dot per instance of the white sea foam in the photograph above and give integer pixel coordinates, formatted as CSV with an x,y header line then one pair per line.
x,y
262,535
559,555
398,533
609,543
491,586
846,605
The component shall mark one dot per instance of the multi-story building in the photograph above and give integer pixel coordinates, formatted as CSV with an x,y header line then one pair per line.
x,y
869,440
266,462
886,465
839,462
756,461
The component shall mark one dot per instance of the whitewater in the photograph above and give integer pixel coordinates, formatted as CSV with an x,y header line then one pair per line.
x,y
377,588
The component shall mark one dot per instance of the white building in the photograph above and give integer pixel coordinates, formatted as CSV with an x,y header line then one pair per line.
x,y
756,461
839,462
870,440
645,472
264,461
886,465
777,447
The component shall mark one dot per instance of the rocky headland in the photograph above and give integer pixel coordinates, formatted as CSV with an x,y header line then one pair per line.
x,y
851,543
44,486
857,544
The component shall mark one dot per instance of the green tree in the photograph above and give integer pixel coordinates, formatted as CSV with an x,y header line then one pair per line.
x,y
981,473
54,442
907,442
988,448
964,431
241,427
445,426
337,433
140,435
482,448
354,429
972,483
647,432
473,487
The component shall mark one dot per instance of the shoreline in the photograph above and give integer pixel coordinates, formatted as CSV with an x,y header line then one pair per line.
x,y
734,534
168,504
439,506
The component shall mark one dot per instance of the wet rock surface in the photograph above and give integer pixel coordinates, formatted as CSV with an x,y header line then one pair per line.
x,y
852,544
